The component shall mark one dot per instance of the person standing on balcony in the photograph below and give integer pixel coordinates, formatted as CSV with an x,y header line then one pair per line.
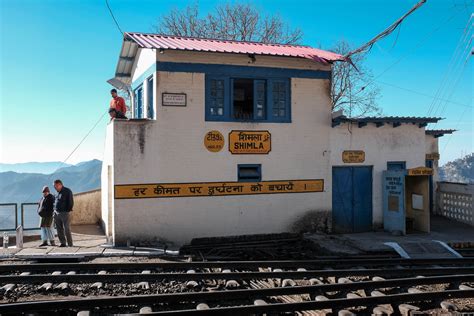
x,y
118,103
62,208
45,211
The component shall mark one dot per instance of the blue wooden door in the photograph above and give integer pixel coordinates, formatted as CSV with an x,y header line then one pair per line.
x,y
394,213
352,199
362,205
342,218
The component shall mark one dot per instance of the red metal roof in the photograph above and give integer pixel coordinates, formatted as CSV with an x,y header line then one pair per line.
x,y
158,41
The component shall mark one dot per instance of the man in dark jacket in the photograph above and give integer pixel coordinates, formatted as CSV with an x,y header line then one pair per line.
x,y
62,208
45,211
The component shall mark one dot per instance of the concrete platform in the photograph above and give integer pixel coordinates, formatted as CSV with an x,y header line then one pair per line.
x,y
442,229
89,241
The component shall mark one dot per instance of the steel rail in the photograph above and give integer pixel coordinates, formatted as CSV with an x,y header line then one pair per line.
x,y
138,277
332,304
233,264
228,294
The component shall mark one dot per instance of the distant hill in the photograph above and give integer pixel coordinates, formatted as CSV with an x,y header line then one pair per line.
x,y
459,170
26,187
32,167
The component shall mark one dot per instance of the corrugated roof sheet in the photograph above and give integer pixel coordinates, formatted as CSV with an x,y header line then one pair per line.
x,y
158,41
439,132
379,121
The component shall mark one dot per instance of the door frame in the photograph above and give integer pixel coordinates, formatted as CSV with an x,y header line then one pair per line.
x,y
371,168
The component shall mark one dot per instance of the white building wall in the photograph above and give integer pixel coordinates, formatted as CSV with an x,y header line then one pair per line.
x,y
382,144
171,150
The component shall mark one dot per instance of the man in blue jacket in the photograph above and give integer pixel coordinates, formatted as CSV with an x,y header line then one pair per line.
x,y
62,207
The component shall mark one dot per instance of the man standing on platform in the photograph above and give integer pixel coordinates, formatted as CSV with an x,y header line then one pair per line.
x,y
62,207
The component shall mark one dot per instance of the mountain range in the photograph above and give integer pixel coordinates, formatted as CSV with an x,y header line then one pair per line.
x,y
18,187
459,170
33,167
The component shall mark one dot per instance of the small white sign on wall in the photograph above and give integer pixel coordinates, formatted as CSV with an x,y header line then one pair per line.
x,y
417,202
173,99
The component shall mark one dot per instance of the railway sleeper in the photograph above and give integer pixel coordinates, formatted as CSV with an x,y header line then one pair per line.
x,y
64,286
144,284
48,285
445,305
407,309
99,285
146,310
7,288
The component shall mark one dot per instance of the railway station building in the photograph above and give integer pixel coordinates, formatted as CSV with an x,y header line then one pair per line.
x,y
233,138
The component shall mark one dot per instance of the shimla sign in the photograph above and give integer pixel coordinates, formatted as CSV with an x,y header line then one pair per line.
x,y
250,142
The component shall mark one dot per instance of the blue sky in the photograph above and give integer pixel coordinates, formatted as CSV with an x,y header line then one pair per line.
x,y
57,55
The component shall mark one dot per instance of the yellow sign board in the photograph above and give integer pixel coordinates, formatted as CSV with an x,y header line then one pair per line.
x,y
353,156
250,142
167,190
432,156
214,141
420,171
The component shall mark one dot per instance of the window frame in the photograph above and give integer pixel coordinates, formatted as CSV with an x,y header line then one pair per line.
x,y
150,97
257,166
228,99
135,110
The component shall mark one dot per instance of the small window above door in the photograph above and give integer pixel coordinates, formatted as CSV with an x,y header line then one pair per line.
x,y
396,165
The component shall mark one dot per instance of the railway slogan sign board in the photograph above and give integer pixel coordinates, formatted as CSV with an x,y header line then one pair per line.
x,y
168,190
353,156
420,171
214,141
250,142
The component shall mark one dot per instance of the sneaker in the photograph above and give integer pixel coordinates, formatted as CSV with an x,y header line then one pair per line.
x,y
43,244
62,245
52,243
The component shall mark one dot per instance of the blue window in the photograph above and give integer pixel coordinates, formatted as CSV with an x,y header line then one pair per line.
x,y
396,165
139,102
217,98
279,102
151,112
247,99
249,173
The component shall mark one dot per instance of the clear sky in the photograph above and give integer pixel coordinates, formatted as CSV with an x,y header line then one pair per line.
x,y
57,55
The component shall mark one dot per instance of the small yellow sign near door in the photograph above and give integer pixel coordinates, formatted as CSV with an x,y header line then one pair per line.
x,y
353,156
420,171
214,141
250,142
432,156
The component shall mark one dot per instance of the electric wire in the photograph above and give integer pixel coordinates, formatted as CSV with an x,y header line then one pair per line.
x,y
424,94
71,153
113,17
451,63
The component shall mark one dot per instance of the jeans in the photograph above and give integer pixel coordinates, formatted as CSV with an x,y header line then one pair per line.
x,y
62,220
47,234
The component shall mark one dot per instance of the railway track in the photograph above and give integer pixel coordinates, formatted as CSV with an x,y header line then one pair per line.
x,y
306,287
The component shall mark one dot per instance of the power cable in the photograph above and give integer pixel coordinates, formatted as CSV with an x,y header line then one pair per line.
x,y
417,46
424,94
456,127
72,152
451,64
113,17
